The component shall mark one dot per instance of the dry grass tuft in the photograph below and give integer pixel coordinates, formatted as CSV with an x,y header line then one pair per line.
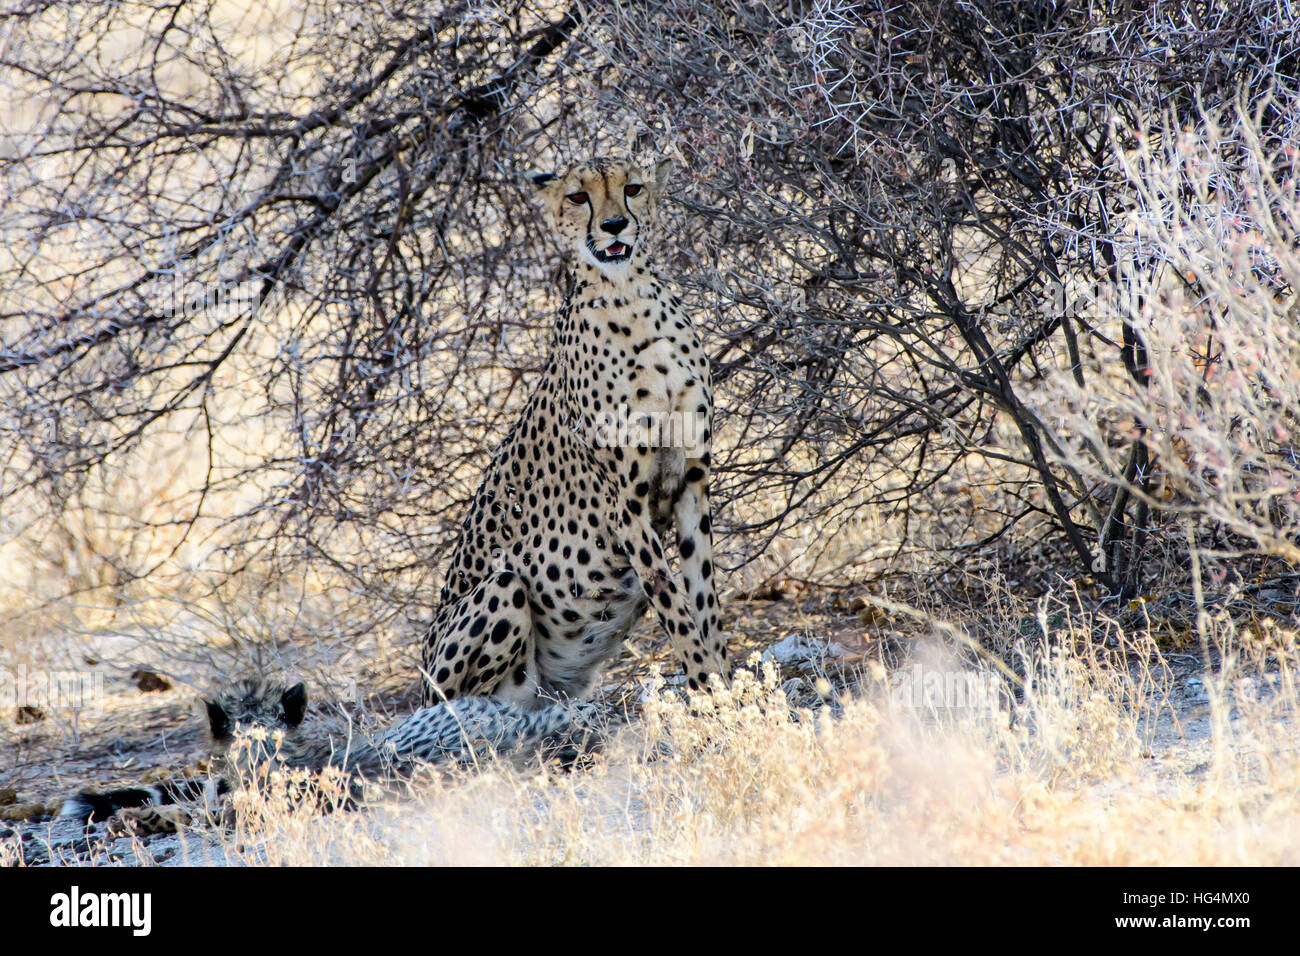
x,y
1080,765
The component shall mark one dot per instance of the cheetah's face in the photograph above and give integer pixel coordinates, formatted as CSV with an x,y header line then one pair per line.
x,y
603,210
255,703
267,711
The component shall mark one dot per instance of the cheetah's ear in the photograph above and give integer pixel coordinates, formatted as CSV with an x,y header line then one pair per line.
x,y
661,171
294,701
218,720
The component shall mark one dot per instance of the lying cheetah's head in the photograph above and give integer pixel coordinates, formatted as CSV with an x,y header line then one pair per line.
x,y
603,209
254,704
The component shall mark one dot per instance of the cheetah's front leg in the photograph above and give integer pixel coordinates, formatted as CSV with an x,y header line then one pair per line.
x,y
698,655
695,545
692,516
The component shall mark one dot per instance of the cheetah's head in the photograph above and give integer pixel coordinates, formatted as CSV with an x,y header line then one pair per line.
x,y
253,721
604,209
252,704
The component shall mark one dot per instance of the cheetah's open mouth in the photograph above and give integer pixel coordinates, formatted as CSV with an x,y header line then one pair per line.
x,y
614,252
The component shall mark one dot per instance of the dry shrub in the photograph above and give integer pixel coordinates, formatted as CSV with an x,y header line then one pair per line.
x,y
311,254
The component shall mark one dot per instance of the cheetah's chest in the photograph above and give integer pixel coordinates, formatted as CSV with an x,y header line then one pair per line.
x,y
661,370
579,640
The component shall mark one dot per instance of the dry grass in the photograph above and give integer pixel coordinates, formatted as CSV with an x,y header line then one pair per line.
x,y
1078,741
1090,764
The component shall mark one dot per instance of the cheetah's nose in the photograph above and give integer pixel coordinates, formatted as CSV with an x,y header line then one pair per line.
x,y
614,226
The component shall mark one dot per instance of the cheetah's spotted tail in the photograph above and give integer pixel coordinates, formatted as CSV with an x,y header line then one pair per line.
x,y
464,731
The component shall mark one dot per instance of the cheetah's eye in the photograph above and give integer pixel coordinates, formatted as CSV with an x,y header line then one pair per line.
x,y
577,198
631,190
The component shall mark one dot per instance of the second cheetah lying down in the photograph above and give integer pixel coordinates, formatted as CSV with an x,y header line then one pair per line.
x,y
256,721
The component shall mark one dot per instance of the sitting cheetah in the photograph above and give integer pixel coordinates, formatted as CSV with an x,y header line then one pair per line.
x,y
450,733
562,548
563,545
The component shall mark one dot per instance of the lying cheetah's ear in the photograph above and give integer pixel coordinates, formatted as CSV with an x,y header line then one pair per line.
x,y
294,701
661,170
218,720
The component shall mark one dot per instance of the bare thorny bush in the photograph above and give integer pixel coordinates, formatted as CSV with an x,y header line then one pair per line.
x,y
905,204
292,239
